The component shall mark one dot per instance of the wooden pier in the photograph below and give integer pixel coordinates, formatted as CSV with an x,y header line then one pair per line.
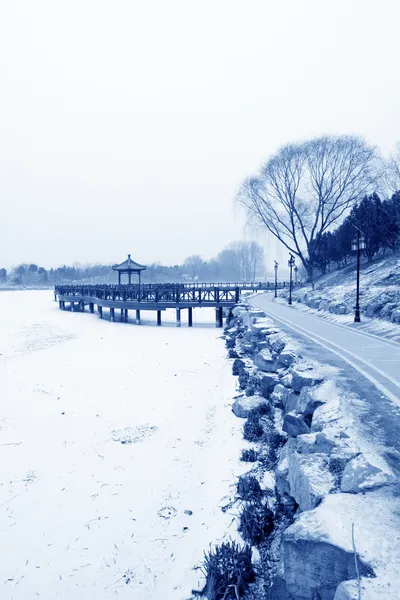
x,y
157,297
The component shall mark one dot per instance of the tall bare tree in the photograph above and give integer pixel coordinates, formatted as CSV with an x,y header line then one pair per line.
x,y
393,170
305,188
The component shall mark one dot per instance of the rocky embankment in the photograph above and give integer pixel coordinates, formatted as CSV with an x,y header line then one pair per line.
x,y
326,526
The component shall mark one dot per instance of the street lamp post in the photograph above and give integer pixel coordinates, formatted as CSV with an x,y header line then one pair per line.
x,y
296,273
291,264
276,278
358,244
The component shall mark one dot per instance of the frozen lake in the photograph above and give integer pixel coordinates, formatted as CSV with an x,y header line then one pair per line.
x,y
109,432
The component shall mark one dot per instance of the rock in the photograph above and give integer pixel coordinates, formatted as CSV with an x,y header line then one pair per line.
x,y
309,478
244,404
294,424
276,343
267,384
279,394
286,380
395,316
297,402
265,361
258,327
373,308
262,345
286,358
314,567
243,379
315,399
238,366
239,311
281,475
307,377
341,309
366,472
248,348
311,443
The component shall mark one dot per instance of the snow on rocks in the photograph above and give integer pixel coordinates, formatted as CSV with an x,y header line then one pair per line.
x,y
366,472
309,478
265,361
305,376
243,405
294,424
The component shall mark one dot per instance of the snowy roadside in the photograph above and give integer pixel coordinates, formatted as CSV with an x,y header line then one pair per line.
x,y
372,325
118,448
334,473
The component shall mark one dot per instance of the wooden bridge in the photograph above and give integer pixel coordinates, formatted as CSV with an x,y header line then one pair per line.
x,y
156,297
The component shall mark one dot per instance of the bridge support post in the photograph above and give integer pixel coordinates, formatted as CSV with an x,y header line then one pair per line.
x,y
190,316
60,303
219,317
138,317
63,304
178,317
91,307
122,317
112,314
159,318
82,306
126,315
72,306
100,312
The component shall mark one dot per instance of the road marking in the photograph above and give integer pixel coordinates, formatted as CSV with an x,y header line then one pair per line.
x,y
339,352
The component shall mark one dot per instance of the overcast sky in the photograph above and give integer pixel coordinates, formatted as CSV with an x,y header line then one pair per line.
x,y
127,126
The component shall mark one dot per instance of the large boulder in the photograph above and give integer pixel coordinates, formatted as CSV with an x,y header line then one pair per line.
x,y
295,425
243,405
366,472
265,361
305,377
312,443
309,478
395,316
317,548
286,380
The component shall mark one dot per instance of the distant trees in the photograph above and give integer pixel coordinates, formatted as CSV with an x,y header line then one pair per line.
x,y
238,260
305,188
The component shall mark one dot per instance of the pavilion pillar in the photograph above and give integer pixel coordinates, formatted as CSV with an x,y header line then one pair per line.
x,y
91,307
219,317
129,277
159,317
178,317
112,314
190,316
138,317
119,277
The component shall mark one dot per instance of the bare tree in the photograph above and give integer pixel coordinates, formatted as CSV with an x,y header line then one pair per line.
x,y
245,260
393,170
305,188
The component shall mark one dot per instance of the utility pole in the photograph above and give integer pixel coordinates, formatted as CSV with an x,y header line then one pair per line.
x,y
276,278
291,263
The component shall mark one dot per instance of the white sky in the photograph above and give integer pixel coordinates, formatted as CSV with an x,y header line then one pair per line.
x,y
127,126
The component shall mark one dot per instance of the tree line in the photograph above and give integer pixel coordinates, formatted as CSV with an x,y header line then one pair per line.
x,y
238,261
311,195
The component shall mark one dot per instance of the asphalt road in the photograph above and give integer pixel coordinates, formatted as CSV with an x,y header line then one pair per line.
x,y
376,358
370,367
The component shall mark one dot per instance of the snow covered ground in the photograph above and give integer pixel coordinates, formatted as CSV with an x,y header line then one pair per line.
x,y
109,433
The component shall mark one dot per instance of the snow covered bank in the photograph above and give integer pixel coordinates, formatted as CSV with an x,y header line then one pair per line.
x,y
117,445
334,295
331,473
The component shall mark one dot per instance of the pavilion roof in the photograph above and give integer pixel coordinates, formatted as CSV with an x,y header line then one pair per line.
x,y
129,265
